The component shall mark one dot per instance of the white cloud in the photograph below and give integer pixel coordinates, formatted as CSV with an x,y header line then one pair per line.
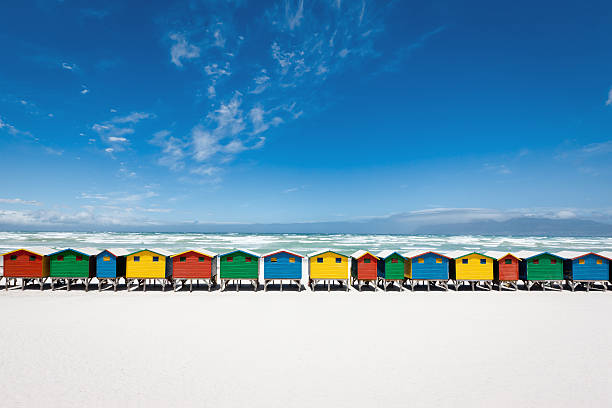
x,y
343,53
133,117
109,150
211,91
117,139
609,100
262,81
219,40
205,170
173,150
84,91
18,201
182,50
69,67
294,15
215,70
114,131
55,152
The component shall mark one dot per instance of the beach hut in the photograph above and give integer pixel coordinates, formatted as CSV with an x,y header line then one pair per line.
x,y
541,269
473,268
72,265
110,266
27,265
239,265
506,269
392,267
586,269
364,268
198,264
282,265
428,267
328,266
151,265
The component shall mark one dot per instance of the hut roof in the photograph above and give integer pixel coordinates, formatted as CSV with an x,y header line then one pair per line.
x,y
387,253
530,254
116,251
415,254
361,253
461,254
278,251
255,254
500,254
158,251
41,251
200,251
82,251
576,254
310,255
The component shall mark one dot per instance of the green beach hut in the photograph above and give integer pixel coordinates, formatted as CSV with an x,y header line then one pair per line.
x,y
239,265
72,265
392,268
541,269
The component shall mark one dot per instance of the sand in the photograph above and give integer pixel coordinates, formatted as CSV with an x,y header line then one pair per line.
x,y
75,349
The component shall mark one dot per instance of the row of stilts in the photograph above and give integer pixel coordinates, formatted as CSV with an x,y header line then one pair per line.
x,y
177,284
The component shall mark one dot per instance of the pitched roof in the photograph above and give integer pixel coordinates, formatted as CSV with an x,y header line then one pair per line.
x,y
462,254
360,253
255,254
416,254
82,251
116,251
387,253
200,251
576,254
158,251
500,254
278,251
542,253
41,251
310,255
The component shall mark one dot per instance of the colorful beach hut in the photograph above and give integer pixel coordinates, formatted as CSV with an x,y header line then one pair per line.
x,y
364,268
472,268
541,269
428,267
329,267
110,266
27,265
283,266
239,265
392,267
72,265
196,264
506,269
586,269
151,265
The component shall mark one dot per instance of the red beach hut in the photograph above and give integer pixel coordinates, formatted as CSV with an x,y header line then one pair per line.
x,y
197,264
506,271
364,268
27,264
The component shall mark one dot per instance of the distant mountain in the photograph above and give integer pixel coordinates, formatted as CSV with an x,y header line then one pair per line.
x,y
522,226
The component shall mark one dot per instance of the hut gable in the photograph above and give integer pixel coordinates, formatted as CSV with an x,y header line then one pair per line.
x,y
73,263
26,263
474,266
543,266
364,265
239,264
194,264
282,264
428,266
590,267
148,264
392,265
328,264
110,263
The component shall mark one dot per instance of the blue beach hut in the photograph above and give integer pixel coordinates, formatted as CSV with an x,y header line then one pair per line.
x,y
428,267
586,269
110,266
282,265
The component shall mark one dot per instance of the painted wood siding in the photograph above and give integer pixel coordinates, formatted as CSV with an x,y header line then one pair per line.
x,y
282,268
238,267
542,268
429,267
146,267
192,265
362,269
109,266
22,266
508,271
329,268
69,267
387,269
588,268
474,269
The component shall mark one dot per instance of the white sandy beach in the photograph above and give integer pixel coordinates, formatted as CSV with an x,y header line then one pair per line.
x,y
305,349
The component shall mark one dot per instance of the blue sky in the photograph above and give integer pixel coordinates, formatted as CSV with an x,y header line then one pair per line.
x,y
292,111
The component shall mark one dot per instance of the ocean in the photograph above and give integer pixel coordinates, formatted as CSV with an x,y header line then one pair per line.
x,y
303,243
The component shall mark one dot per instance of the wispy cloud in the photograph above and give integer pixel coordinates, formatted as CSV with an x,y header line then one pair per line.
x,y
19,201
403,53
114,132
95,13
84,90
182,49
609,100
68,66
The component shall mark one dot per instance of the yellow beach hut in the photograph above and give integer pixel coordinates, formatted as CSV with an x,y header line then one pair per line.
x,y
148,264
473,267
328,266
